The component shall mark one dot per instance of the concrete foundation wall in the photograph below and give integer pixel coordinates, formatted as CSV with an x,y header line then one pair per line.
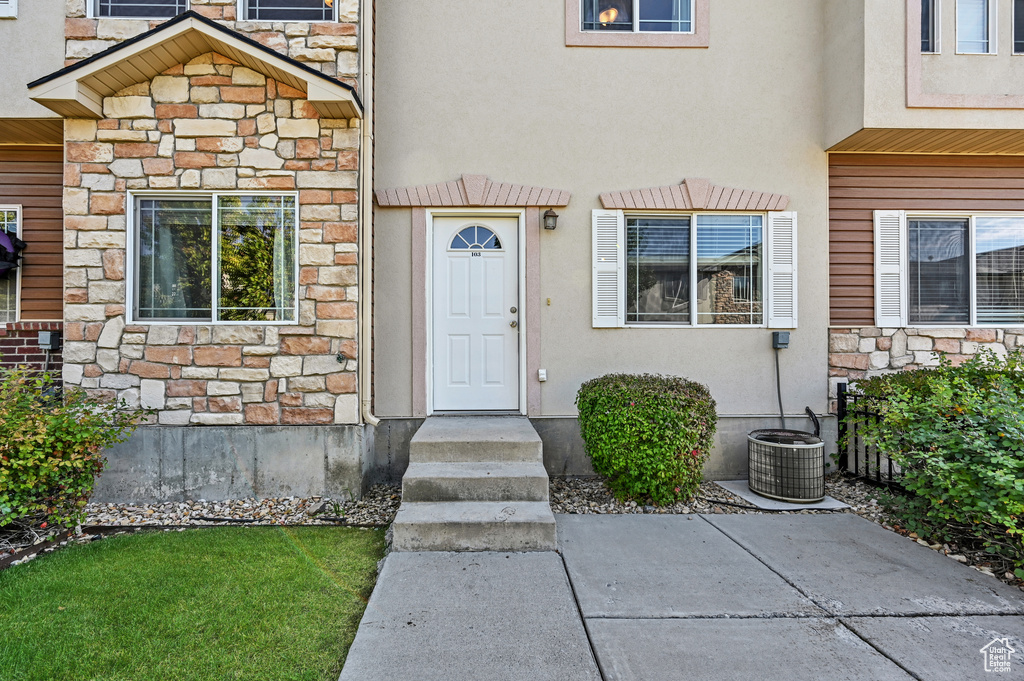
x,y
564,454
165,463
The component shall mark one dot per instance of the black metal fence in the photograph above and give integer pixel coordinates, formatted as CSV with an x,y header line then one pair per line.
x,y
856,458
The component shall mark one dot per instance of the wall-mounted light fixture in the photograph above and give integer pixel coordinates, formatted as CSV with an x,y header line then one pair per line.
x,y
550,219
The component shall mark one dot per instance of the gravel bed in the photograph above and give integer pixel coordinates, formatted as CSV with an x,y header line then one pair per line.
x,y
589,495
377,507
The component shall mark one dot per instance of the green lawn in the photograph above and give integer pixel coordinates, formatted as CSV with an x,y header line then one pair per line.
x,y
227,603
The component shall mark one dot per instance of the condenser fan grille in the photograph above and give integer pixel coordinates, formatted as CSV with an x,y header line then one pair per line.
x,y
788,465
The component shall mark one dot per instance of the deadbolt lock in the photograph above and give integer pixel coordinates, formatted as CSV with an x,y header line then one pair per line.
x,y
514,310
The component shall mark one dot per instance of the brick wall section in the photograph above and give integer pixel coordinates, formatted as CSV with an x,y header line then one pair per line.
x,y
857,353
19,345
329,47
213,125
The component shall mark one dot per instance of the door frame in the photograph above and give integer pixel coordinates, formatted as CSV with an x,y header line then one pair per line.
x,y
484,213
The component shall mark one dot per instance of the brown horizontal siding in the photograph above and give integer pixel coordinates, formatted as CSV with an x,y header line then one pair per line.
x,y
33,177
860,184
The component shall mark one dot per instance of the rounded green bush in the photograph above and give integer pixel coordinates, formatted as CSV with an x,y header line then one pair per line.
x,y
957,433
647,435
51,447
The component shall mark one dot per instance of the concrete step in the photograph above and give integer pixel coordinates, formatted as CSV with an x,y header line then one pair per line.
x,y
474,526
475,438
515,481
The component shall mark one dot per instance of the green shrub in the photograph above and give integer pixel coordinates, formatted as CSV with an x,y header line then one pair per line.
x,y
51,447
958,435
647,435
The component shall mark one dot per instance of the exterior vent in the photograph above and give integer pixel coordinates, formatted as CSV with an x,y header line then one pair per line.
x,y
788,465
8,9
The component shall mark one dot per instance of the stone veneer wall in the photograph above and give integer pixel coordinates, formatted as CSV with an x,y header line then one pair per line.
x,y
327,46
213,125
869,351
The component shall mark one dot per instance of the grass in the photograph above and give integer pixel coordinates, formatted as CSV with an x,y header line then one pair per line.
x,y
223,603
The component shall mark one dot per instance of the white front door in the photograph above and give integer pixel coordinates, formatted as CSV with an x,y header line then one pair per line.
x,y
475,314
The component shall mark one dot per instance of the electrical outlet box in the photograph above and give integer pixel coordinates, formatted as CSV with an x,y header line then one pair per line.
x,y
49,340
780,339
542,375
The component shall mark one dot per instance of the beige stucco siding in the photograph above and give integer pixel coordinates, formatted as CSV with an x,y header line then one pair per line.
x,y
844,69
33,47
491,88
885,82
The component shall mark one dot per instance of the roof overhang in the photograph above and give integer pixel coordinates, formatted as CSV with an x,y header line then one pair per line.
x,y
32,131
77,91
933,141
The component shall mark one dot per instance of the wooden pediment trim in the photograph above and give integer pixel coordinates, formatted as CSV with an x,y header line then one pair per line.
x,y
77,91
694,194
471,190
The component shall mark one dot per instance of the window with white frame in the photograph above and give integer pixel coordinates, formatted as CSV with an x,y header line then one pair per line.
x,y
952,270
975,26
930,26
10,225
287,10
219,258
700,269
1018,26
674,16
139,9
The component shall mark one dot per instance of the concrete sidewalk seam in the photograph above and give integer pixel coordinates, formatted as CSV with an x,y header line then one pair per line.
x,y
583,618
879,650
777,573
801,616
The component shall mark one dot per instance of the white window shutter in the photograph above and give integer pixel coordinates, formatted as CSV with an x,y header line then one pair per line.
x,y
782,303
890,268
609,268
8,9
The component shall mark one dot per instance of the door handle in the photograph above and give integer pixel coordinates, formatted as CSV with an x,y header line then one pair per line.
x,y
513,324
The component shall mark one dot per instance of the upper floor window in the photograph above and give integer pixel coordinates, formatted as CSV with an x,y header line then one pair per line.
x,y
219,258
139,9
288,10
674,16
975,24
1018,26
930,26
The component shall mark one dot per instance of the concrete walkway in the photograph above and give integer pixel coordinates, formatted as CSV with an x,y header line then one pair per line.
x,y
641,597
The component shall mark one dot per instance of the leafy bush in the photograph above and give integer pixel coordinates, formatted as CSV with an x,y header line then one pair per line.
x,y
958,435
51,447
647,435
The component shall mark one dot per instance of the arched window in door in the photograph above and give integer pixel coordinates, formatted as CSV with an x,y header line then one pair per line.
x,y
475,238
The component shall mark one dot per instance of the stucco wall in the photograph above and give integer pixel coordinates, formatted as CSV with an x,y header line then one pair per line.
x,y
885,73
506,97
844,69
33,47
1002,73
